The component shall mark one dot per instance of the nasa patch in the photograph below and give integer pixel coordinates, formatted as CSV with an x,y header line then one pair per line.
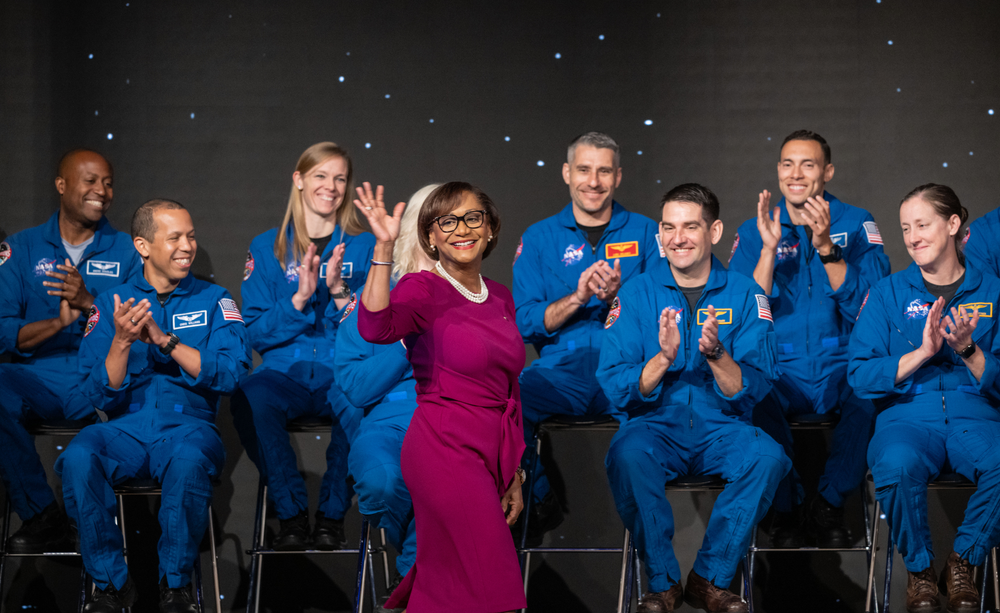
x,y
349,308
918,309
45,265
616,310
5,252
292,273
787,251
572,255
248,267
679,312
97,268
193,319
736,244
92,319
517,254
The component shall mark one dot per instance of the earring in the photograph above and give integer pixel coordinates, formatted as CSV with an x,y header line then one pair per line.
x,y
300,187
433,248
490,238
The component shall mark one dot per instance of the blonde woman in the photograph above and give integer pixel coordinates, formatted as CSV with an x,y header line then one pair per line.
x,y
284,302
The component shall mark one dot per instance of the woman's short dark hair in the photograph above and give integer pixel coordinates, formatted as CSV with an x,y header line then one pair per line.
x,y
446,199
945,203
695,194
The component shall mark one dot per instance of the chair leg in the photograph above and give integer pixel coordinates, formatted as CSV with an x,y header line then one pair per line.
x,y
256,559
625,583
889,551
996,580
199,589
385,556
982,585
5,532
359,595
371,570
215,560
749,567
84,588
870,597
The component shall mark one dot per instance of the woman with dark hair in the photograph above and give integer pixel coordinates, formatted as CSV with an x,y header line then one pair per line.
x,y
318,256
925,351
461,452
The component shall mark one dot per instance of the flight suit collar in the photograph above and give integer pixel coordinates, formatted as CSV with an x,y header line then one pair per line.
x,y
338,237
183,288
971,283
565,217
662,273
103,235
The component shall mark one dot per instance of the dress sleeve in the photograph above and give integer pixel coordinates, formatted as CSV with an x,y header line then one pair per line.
x,y
410,302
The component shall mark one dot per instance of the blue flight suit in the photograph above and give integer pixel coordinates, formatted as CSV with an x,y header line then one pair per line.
x,y
938,417
42,383
686,426
380,379
161,425
552,255
813,324
979,246
296,378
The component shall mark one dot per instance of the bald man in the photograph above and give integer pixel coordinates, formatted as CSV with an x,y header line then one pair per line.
x,y
49,276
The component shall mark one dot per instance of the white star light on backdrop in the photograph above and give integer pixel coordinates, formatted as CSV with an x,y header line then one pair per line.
x,y
506,138
192,115
648,122
110,135
541,163
368,145
432,120
341,79
558,55
945,164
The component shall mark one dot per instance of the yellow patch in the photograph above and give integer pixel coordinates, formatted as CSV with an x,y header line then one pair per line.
x,y
985,308
621,250
723,316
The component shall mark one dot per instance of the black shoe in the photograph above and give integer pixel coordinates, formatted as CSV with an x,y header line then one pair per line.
x,y
328,534
46,531
110,600
825,524
380,606
786,529
545,516
293,535
177,599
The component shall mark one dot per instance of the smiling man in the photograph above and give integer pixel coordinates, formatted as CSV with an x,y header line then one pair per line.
x,y
816,258
689,351
158,353
49,275
567,272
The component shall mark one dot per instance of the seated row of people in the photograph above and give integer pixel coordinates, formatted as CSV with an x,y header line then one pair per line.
x,y
769,344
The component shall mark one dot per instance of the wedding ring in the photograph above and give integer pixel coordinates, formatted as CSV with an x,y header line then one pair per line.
x,y
368,208
133,322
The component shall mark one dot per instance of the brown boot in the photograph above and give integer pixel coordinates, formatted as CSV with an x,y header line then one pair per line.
x,y
702,594
922,591
665,602
959,581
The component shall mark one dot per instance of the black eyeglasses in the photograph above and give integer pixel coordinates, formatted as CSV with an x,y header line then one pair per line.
x,y
449,223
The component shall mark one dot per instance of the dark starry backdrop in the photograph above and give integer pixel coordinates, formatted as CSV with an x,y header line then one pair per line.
x,y
210,103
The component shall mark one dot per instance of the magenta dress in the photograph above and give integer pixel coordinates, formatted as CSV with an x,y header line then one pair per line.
x,y
463,445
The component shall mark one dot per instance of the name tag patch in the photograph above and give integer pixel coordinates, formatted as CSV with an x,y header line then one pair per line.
x,y
346,270
839,239
985,308
190,320
621,250
723,316
103,269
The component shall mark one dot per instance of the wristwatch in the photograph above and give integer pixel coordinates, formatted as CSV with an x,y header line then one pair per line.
x,y
968,352
836,254
716,354
170,345
345,291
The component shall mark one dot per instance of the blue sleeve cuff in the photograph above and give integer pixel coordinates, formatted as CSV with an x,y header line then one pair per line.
x,y
990,372
890,366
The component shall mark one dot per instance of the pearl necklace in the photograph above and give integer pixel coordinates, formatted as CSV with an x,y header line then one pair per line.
x,y
477,298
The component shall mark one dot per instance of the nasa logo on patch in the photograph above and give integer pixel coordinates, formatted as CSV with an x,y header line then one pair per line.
x,y
918,309
839,239
572,255
92,319
292,273
103,269
45,265
248,267
349,308
193,319
678,313
736,244
786,251
616,310
863,303
5,252
517,254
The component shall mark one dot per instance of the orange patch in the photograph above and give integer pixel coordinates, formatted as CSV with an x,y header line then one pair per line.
x,y
621,250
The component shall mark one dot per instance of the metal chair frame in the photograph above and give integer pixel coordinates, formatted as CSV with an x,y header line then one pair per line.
x,y
566,424
259,551
945,481
817,421
52,428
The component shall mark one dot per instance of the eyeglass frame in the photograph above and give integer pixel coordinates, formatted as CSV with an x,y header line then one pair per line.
x,y
461,219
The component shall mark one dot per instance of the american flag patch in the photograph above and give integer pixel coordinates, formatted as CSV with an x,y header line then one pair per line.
x,y
230,311
871,230
763,308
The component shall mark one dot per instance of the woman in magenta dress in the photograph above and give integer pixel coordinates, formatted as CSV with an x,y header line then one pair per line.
x,y
461,453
